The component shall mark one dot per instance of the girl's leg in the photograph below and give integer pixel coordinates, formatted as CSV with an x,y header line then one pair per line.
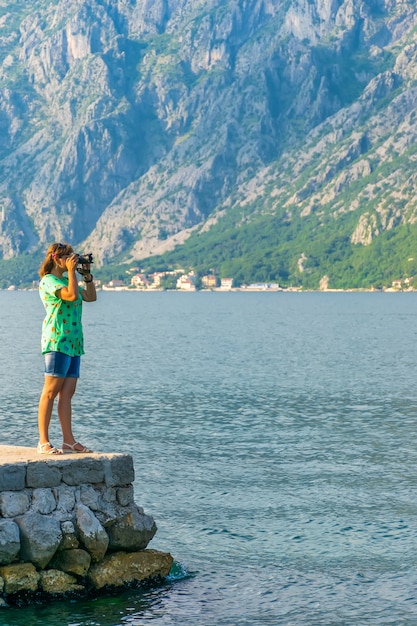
x,y
65,408
51,388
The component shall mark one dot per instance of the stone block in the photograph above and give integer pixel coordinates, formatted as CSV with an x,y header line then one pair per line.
x,y
42,474
54,581
85,470
65,497
12,477
19,577
108,513
43,501
40,537
91,533
90,497
109,495
119,470
68,528
9,541
133,531
13,503
125,495
75,561
120,568
69,538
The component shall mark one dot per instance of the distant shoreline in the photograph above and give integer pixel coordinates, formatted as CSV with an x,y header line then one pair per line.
x,y
233,290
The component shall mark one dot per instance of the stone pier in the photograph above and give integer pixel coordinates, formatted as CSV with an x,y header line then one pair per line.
x,y
69,526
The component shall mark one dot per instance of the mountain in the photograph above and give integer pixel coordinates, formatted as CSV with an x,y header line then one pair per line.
x,y
267,139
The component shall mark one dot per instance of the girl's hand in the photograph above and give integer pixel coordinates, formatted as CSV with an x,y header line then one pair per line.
x,y
84,270
71,262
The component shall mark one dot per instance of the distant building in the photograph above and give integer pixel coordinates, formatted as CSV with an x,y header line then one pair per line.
x,y
264,287
209,281
156,278
226,283
139,280
114,284
186,282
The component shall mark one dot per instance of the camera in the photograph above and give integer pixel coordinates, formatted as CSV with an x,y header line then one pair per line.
x,y
84,259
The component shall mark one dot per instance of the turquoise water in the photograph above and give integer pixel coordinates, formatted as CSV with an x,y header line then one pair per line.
x,y
274,442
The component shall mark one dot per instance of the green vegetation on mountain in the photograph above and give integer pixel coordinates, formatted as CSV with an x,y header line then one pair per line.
x,y
254,253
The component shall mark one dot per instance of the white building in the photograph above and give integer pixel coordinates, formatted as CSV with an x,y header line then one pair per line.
x,y
226,283
139,280
186,282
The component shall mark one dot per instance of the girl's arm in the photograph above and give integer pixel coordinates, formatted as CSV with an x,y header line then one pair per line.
x,y
71,292
89,294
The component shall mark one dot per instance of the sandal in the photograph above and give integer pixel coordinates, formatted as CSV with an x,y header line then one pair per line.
x,y
68,448
47,448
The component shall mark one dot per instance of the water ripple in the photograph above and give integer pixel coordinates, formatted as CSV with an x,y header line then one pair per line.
x,y
274,443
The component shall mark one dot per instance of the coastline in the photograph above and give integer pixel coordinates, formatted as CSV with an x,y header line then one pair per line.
x,y
13,288
248,289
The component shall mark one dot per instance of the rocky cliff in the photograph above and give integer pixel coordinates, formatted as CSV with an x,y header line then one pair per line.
x,y
128,125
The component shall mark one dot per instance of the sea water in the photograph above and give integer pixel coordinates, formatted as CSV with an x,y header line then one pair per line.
x,y
274,442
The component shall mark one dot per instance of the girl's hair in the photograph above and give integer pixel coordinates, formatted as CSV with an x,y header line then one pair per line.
x,y
54,250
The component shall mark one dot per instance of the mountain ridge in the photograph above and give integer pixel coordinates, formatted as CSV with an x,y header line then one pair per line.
x,y
129,128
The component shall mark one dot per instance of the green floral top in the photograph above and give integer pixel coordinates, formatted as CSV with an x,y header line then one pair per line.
x,y
61,330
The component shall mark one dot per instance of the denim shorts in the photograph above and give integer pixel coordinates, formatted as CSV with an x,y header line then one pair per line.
x,y
62,365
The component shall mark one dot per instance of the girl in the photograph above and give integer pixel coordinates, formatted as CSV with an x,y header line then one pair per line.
x,y
62,341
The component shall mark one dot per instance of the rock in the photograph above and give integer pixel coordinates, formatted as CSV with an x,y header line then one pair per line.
x,y
13,503
109,495
365,230
9,541
132,532
42,474
91,532
125,495
90,497
19,577
12,477
119,470
108,513
74,561
69,542
120,568
69,538
40,537
43,501
54,581
65,496
89,470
